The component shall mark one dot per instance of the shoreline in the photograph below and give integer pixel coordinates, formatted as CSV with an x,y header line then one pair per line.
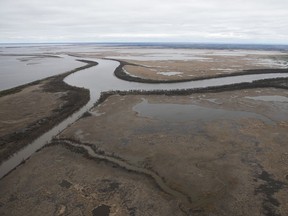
x,y
120,73
281,83
75,98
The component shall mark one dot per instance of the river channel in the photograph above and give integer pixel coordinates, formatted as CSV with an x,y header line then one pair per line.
x,y
101,79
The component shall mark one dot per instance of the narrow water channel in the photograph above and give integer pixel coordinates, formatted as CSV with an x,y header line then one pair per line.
x,y
100,79
158,180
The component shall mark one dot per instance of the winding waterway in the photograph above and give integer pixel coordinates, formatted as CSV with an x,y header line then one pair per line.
x,y
101,79
159,181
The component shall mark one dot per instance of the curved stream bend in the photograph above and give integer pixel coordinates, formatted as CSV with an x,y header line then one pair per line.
x,y
122,163
101,79
121,73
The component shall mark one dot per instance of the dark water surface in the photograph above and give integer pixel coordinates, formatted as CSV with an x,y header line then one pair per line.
x,y
102,210
190,112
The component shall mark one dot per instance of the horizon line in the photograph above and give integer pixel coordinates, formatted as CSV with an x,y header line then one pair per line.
x,y
151,42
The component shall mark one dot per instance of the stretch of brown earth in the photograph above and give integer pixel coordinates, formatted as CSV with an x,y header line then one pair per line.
x,y
231,164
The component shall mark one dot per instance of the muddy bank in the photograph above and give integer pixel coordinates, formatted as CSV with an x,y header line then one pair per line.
x,y
64,100
121,74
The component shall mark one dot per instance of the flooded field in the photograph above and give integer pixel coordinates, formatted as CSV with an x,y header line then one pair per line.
x,y
186,155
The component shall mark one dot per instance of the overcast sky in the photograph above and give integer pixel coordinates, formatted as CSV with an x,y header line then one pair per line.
x,y
240,21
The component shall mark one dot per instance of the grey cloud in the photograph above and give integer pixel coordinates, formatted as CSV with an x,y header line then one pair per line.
x,y
150,20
